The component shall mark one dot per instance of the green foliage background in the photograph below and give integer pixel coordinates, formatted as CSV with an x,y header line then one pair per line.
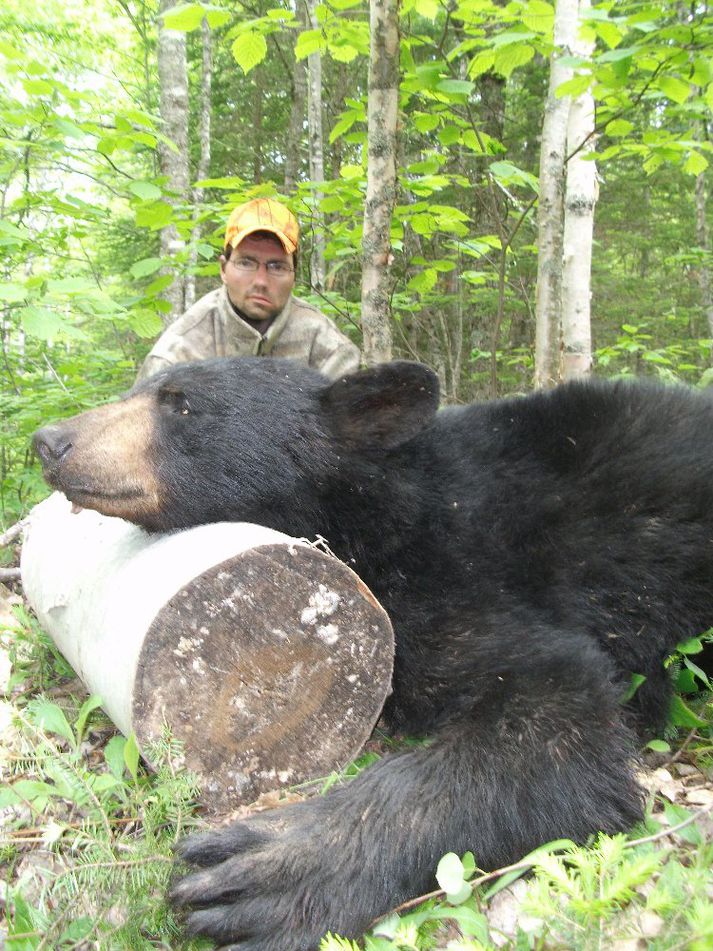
x,y
82,201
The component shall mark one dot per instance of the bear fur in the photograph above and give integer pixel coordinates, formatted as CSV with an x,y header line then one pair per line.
x,y
533,553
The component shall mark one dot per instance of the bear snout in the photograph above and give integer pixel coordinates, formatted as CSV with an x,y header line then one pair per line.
x,y
51,443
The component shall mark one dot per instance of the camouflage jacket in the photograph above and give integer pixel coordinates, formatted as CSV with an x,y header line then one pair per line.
x,y
211,328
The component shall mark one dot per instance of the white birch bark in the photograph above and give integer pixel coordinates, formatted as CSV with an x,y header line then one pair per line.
x,y
204,124
703,239
580,199
381,179
152,624
173,107
550,208
316,155
295,131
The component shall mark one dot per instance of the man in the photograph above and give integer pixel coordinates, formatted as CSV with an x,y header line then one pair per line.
x,y
254,312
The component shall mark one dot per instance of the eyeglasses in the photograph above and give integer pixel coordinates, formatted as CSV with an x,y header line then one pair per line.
x,y
273,268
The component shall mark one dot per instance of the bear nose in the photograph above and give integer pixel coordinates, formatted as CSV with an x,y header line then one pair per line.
x,y
51,444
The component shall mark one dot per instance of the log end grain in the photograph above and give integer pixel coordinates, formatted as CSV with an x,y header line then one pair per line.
x,y
271,667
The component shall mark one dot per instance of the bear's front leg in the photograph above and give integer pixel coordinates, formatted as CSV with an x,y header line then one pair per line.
x,y
281,880
542,754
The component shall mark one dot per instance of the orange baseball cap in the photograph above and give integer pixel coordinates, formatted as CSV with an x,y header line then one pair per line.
x,y
263,214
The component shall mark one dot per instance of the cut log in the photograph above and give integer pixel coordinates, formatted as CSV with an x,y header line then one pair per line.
x,y
268,658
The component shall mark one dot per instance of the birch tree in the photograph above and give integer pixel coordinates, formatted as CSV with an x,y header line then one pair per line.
x,y
580,199
173,107
703,238
295,130
381,179
316,153
204,125
550,209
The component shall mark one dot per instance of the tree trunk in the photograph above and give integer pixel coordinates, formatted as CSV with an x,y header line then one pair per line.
x,y
258,111
295,131
580,199
173,106
316,156
381,181
269,659
703,242
550,209
204,124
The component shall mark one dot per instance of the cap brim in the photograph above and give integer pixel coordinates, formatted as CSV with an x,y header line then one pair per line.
x,y
289,245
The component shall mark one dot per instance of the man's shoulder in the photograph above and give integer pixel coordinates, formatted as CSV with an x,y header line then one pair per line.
x,y
311,316
206,308
299,304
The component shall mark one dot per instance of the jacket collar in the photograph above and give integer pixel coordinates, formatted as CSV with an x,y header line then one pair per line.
x,y
240,330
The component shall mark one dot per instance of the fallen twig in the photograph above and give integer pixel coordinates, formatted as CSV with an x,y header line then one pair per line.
x,y
9,574
12,533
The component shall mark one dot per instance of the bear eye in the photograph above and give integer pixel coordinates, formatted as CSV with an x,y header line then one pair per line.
x,y
175,401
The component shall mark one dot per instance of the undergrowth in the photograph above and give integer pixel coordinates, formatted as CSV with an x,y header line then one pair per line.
x,y
86,837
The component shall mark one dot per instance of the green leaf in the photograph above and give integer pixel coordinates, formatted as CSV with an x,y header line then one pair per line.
x,y
658,746
184,18
76,930
636,681
695,163
423,282
249,49
575,86
455,87
103,782
89,705
147,191
69,128
351,172
217,16
12,231
342,52
42,323
510,57
698,673
482,63
609,32
469,866
12,293
471,922
37,87
694,645
675,814
49,717
343,125
426,123
618,127
154,216
510,174
427,8
681,715
539,16
145,267
450,874
423,223
131,757
114,755
675,89
69,286
146,323
308,42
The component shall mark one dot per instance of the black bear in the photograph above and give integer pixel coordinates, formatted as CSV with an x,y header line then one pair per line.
x,y
532,552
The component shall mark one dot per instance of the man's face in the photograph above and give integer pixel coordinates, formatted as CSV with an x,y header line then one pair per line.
x,y
259,295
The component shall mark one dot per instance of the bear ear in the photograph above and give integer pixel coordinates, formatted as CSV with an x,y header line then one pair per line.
x,y
384,406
